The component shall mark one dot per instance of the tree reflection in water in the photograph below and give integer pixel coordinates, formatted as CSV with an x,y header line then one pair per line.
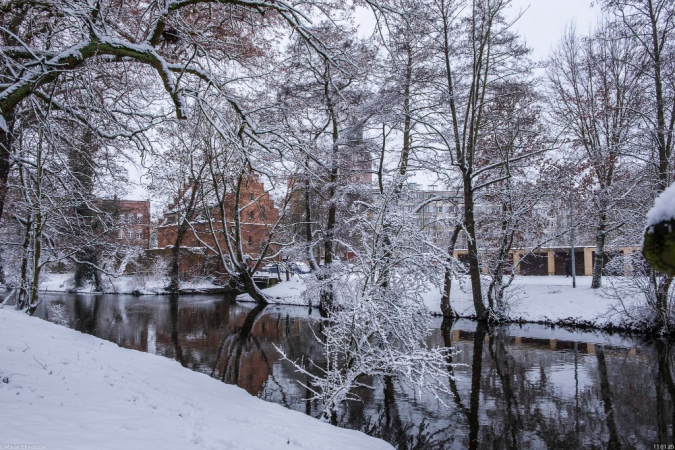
x,y
177,349
507,391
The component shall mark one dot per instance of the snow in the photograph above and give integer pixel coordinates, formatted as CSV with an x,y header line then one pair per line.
x,y
63,389
530,298
536,299
664,207
284,293
127,284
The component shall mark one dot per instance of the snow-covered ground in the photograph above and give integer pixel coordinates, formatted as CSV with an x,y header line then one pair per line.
x,y
530,299
62,389
284,293
537,299
127,284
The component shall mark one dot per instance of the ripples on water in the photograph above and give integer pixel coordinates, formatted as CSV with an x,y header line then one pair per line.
x,y
525,387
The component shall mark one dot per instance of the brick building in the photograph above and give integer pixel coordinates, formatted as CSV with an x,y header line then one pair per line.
x,y
258,217
132,219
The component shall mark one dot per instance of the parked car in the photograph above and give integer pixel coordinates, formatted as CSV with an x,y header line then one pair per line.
x,y
299,268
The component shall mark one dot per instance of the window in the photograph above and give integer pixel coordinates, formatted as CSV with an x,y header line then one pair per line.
x,y
131,234
262,216
439,209
250,197
139,218
139,234
250,240
122,218
250,215
120,234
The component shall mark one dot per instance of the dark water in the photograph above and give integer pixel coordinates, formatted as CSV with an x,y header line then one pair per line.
x,y
524,387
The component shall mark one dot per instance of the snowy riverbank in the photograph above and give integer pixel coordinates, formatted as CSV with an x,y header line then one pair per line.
x,y
127,284
62,389
550,299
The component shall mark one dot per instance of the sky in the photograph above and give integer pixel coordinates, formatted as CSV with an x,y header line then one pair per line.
x,y
543,21
541,25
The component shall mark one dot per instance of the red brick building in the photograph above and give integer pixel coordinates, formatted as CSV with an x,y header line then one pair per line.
x,y
258,217
132,218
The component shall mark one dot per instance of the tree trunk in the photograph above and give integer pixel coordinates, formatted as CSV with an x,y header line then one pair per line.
x,y
308,224
6,142
446,308
665,149
246,279
474,267
37,254
614,442
662,288
79,161
476,373
173,316
327,296
599,259
174,274
22,296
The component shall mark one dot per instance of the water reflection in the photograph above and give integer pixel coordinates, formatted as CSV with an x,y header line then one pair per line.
x,y
511,387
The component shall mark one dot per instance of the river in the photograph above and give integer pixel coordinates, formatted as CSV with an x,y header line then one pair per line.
x,y
517,386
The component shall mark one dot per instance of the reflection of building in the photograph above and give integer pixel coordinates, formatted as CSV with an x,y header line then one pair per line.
x,y
132,221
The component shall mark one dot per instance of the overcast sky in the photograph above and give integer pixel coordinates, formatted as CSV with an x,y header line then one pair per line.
x,y
541,24
544,20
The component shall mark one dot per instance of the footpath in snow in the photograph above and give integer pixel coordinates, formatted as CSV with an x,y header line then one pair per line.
x,y
62,389
530,299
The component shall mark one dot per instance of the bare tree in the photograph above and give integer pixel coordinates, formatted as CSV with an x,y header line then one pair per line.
x,y
475,47
596,92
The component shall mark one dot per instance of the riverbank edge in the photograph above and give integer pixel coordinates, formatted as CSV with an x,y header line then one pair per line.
x,y
138,293
576,324
569,323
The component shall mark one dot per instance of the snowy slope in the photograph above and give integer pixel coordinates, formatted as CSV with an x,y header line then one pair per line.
x,y
67,390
